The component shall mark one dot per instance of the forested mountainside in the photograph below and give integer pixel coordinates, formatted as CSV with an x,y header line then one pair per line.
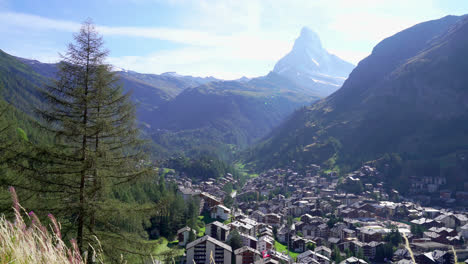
x,y
219,114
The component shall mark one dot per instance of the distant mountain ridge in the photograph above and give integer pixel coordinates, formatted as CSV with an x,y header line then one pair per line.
x,y
240,112
149,91
179,110
185,112
311,66
410,97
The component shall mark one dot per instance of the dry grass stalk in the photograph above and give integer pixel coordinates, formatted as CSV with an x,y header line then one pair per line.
x,y
455,255
20,244
407,245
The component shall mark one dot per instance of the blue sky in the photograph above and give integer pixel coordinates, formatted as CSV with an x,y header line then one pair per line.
x,y
226,39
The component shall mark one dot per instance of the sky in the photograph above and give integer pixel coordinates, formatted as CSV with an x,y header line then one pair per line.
x,y
226,39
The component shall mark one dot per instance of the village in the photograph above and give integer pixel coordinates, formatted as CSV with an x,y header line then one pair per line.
x,y
283,216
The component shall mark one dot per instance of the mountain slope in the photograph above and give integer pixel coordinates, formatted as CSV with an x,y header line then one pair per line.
x,y
409,96
309,65
230,112
18,82
150,91
22,77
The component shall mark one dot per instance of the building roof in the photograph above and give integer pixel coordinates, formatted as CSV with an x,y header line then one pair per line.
x,y
324,248
353,260
236,224
266,261
246,248
267,238
210,239
183,229
421,221
310,253
248,236
223,207
219,224
309,260
211,196
430,245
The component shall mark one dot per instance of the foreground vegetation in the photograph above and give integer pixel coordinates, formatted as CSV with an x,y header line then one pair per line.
x,y
20,243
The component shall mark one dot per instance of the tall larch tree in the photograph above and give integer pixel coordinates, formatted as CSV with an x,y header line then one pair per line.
x,y
97,144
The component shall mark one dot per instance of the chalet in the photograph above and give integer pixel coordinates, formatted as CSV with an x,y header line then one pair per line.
x,y
217,230
325,251
258,216
334,241
464,231
431,212
309,230
273,219
183,235
370,249
307,218
428,246
280,257
426,222
265,243
248,241
400,254
220,212
308,260
436,256
247,255
283,234
319,258
201,250
299,244
210,201
337,229
242,228
187,193
369,234
267,261
347,234
444,231
323,230
251,222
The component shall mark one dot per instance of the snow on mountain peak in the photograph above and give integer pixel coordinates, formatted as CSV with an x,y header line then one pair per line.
x,y
310,65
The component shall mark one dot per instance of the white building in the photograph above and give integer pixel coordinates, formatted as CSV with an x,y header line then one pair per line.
x,y
220,212
203,249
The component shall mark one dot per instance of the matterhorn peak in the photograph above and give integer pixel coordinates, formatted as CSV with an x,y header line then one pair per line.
x,y
308,39
310,65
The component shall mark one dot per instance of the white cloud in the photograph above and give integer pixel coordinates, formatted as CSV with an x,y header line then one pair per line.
x,y
202,48
222,62
352,56
358,26
36,22
246,37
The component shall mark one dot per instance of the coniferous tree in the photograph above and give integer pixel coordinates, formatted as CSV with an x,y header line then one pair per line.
x,y
12,139
4,143
96,147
